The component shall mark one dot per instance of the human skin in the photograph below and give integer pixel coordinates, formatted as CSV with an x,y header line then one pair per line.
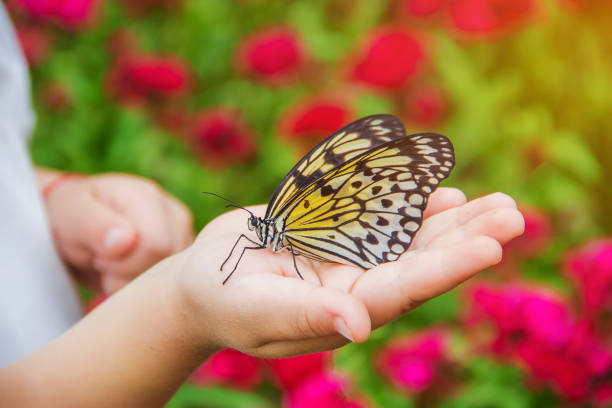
x,y
139,346
110,228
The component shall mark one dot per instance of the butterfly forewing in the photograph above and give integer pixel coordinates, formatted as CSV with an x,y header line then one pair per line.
x,y
342,146
367,211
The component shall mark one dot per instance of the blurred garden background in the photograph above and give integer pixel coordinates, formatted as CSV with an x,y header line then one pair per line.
x,y
225,96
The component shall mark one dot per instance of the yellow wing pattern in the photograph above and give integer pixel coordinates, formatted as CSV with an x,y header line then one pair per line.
x,y
367,210
342,146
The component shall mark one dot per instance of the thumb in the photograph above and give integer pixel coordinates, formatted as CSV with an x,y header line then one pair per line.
x,y
298,311
326,311
106,232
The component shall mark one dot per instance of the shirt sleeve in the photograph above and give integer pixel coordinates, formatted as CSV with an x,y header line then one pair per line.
x,y
38,301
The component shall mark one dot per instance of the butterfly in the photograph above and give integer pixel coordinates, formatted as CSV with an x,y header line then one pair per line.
x,y
356,198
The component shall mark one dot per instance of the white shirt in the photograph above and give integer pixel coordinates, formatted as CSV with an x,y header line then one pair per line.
x,y
38,301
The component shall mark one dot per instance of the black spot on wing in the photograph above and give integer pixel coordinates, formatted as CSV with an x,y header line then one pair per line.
x,y
326,190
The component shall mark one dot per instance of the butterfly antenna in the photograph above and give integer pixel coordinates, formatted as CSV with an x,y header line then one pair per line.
x,y
233,204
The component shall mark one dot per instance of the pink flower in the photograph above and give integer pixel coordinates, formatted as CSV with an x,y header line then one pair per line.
x,y
138,79
520,313
35,44
590,267
538,330
231,368
603,395
293,371
322,391
69,13
426,106
221,137
312,120
389,59
412,363
423,8
575,370
274,54
489,16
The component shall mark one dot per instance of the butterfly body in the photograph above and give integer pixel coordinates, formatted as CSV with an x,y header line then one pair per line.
x,y
268,231
358,196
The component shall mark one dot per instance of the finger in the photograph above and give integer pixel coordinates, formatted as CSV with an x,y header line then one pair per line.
x,y
288,348
443,199
501,224
142,204
299,310
454,217
392,289
99,228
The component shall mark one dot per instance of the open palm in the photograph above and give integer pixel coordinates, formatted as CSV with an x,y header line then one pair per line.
x,y
266,310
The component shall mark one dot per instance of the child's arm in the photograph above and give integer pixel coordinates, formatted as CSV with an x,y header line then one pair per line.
x,y
112,227
141,344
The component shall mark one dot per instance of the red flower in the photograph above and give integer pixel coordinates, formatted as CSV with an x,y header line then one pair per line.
x,y
489,16
220,137
389,59
412,363
591,269
426,106
69,13
231,368
293,371
423,8
313,120
273,54
35,44
323,391
141,78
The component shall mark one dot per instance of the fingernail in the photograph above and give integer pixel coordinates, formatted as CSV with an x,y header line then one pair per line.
x,y
342,328
114,236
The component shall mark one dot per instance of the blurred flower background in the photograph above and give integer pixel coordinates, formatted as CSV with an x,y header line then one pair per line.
x,y
225,96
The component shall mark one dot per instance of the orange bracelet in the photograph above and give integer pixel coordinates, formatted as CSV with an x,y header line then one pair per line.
x,y
64,177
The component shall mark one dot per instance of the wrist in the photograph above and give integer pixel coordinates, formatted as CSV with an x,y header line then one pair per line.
x,y
189,314
51,184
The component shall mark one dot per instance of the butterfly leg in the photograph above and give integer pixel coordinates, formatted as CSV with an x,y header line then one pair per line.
x,y
294,263
234,247
241,254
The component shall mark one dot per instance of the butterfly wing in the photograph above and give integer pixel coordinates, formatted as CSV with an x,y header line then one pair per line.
x,y
367,210
342,146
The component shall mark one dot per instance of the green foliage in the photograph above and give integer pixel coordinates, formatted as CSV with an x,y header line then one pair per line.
x,y
528,115
216,397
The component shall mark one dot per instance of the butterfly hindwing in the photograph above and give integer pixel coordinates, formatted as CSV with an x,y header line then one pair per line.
x,y
345,144
367,210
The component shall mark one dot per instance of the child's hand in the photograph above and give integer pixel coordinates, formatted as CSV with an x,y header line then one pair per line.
x,y
265,310
111,228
